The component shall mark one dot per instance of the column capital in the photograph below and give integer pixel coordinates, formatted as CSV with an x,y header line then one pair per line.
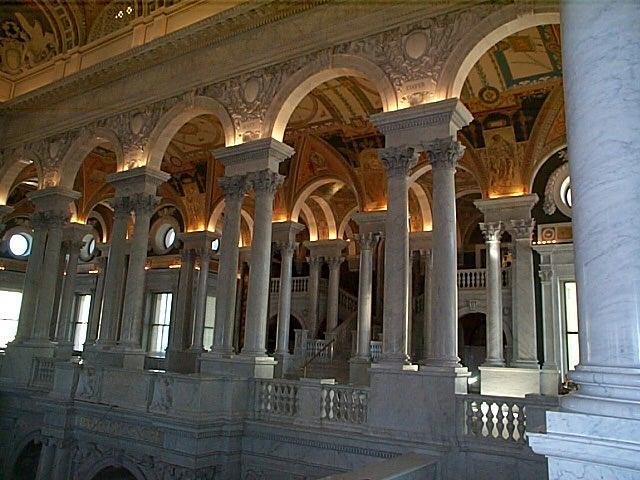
x,y
334,262
398,160
545,273
315,260
265,181
522,229
50,218
367,241
444,152
287,248
144,203
234,187
492,231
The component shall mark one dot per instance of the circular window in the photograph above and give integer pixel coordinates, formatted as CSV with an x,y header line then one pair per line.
x,y
20,244
169,238
565,192
87,252
215,244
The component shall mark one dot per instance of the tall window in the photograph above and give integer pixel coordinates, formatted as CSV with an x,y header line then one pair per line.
x,y
209,321
9,312
571,318
83,305
160,321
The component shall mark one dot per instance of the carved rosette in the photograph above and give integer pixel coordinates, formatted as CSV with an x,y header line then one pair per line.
x,y
265,181
398,160
522,229
444,153
492,231
234,187
367,241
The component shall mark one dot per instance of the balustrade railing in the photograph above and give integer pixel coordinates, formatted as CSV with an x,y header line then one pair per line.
x,y
499,418
347,302
298,285
318,348
375,350
344,404
276,398
476,278
42,372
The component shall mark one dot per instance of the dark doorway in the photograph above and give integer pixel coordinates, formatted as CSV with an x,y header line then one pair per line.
x,y
114,473
27,463
272,332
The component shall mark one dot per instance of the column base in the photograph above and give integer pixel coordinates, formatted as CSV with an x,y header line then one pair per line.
x,y
549,381
589,446
181,361
19,357
359,371
509,381
243,366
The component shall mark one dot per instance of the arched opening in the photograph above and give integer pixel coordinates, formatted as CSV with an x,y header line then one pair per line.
x,y
26,464
114,473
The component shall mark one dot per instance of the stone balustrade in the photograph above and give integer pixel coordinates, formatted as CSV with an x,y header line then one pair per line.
x,y
375,350
476,278
276,398
501,419
318,348
344,404
298,285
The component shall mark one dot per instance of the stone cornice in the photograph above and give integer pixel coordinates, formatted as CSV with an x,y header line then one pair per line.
x,y
205,33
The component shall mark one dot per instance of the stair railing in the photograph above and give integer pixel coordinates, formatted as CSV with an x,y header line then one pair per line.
x,y
315,355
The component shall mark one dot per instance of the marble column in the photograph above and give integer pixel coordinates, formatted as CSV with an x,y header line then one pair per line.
x,y
284,300
93,324
595,433
66,311
525,347
398,162
313,289
367,243
205,253
176,359
265,183
234,190
143,206
333,293
443,352
427,259
495,350
50,274
114,274
549,376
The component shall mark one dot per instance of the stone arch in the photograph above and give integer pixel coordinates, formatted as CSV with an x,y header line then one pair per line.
x,y
173,120
81,147
482,37
11,169
296,87
425,206
345,221
547,153
328,215
308,189
310,219
24,440
93,467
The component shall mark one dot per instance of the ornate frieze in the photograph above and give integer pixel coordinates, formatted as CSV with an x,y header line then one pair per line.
x,y
116,428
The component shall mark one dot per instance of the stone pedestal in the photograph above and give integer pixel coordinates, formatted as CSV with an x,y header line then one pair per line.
x,y
509,381
242,366
359,371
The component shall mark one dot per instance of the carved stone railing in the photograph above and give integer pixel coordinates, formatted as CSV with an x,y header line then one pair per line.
x,y
298,285
347,302
42,371
317,347
500,419
275,398
375,350
344,404
476,278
